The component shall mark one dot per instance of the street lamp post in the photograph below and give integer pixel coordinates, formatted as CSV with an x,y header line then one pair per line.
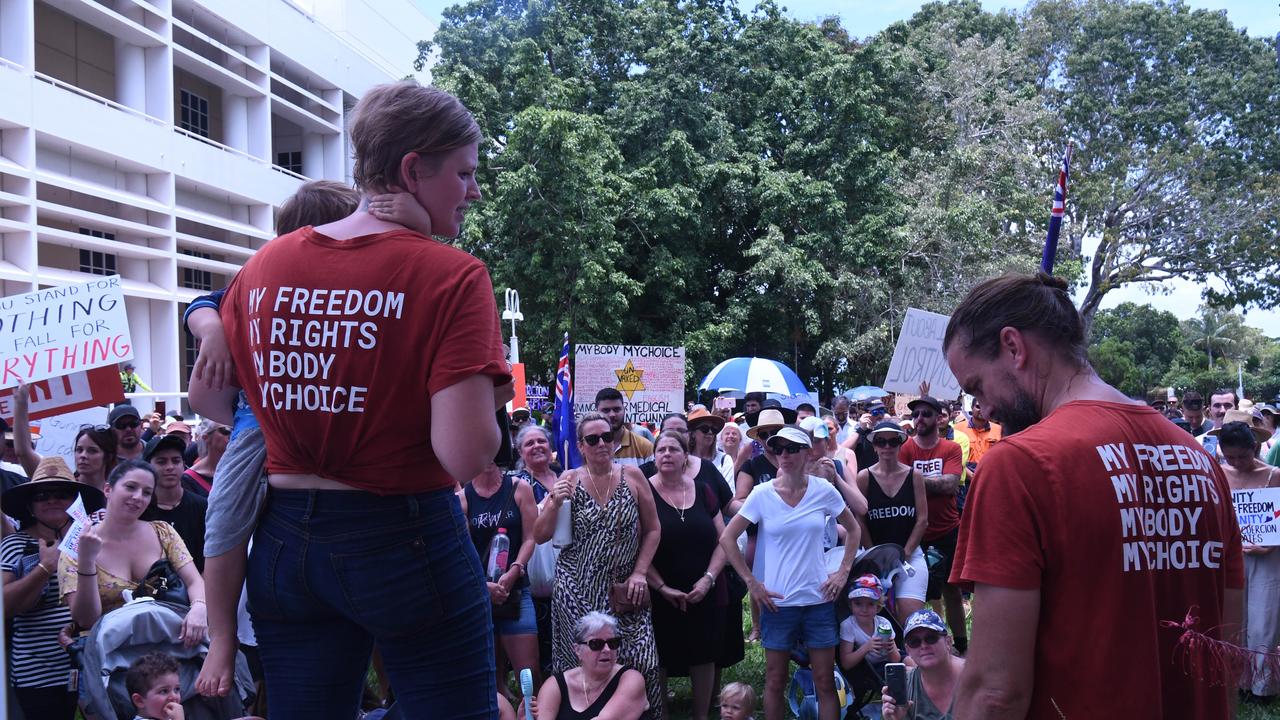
x,y
513,314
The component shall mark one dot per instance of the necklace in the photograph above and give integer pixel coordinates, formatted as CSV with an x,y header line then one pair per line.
x,y
586,694
680,510
600,498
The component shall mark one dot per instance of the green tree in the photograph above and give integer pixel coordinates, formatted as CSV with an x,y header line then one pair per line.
x,y
1176,118
1219,333
1133,346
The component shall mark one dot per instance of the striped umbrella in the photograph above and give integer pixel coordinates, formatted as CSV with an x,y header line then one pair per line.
x,y
753,374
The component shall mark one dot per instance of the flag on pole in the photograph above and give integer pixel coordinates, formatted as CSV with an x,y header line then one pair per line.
x,y
1239,383
1055,215
562,425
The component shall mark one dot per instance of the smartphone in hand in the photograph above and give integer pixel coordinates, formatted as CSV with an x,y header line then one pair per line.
x,y
895,677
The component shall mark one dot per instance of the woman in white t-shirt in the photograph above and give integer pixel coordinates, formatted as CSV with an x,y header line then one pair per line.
x,y
794,590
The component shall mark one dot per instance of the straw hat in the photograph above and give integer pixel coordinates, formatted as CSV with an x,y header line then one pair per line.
x,y
51,474
700,416
766,420
1241,416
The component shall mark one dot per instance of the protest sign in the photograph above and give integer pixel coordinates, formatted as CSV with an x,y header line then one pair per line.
x,y
71,541
517,384
1258,512
539,396
58,433
57,396
918,356
651,379
61,330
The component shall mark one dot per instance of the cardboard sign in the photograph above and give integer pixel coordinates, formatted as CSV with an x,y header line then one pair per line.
x,y
71,541
58,396
918,356
1258,512
517,383
58,433
61,330
539,396
651,379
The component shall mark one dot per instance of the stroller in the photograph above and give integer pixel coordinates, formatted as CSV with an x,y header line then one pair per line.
x,y
142,626
860,686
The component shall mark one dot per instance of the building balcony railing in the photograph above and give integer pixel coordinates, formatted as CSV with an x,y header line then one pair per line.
x,y
98,98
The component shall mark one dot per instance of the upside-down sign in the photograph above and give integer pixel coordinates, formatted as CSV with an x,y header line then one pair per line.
x,y
62,330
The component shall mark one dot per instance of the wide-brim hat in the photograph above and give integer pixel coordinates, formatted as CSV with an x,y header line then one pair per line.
x,y
1241,416
700,416
8,431
759,418
887,426
51,474
771,419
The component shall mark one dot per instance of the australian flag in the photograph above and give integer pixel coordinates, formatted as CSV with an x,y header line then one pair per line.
x,y
562,425
1055,215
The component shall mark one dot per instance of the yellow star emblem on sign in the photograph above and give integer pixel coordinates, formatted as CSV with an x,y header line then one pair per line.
x,y
629,380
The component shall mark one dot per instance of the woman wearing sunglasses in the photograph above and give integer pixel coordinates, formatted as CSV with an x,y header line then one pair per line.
x,y
615,535
931,684
599,686
38,666
897,512
795,591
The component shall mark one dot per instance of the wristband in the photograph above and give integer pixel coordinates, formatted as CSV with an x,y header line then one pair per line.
x,y
519,564
660,586
199,602
46,570
85,574
710,577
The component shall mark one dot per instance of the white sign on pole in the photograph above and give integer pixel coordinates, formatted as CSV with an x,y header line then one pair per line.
x,y
650,378
918,356
58,433
1258,512
61,330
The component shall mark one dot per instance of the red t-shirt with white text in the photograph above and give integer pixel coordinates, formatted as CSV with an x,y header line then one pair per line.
x,y
1121,521
945,458
339,346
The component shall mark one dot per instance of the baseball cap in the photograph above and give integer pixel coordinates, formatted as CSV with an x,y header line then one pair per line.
x,y
926,619
791,434
925,400
177,426
887,426
816,427
163,442
122,411
867,586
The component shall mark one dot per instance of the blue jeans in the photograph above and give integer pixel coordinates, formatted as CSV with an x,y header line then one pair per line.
x,y
333,572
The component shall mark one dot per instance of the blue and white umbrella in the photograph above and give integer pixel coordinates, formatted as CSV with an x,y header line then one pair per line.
x,y
753,374
865,392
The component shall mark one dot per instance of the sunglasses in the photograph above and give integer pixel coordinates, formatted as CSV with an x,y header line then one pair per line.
x,y
789,449
879,411
887,442
916,641
95,428
922,413
127,424
52,495
224,431
596,644
593,440
706,430
764,435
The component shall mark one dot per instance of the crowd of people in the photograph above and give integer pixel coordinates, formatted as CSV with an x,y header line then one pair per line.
x,y
311,535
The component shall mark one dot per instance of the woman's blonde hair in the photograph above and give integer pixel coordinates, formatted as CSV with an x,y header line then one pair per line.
x,y
404,117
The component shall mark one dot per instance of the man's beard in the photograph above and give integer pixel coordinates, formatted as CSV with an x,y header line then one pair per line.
x,y
1021,415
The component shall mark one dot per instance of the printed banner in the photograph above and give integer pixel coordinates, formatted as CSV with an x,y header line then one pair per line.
x,y
539,397
1259,514
650,378
918,356
61,330
57,396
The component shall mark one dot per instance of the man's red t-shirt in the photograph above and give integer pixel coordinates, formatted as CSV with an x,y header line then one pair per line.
x,y
339,346
945,458
1122,521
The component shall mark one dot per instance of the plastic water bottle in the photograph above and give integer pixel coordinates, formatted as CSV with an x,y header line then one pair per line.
x,y
563,536
830,537
499,548
526,691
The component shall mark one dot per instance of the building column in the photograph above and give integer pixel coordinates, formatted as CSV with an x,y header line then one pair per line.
x,y
235,121
131,76
313,155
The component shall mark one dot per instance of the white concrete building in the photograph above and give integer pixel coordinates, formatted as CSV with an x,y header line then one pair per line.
x,y
155,138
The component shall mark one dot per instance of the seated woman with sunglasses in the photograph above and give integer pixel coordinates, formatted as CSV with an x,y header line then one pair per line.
x,y
897,512
931,684
117,553
797,593
38,668
600,686
615,535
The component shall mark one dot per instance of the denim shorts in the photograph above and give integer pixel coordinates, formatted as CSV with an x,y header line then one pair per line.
x,y
813,626
526,624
